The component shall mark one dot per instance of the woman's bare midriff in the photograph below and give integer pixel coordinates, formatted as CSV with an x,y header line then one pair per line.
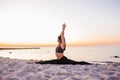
x,y
59,55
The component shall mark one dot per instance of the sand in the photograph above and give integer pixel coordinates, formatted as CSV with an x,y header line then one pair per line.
x,y
15,69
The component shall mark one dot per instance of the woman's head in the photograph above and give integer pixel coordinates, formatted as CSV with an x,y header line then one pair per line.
x,y
59,39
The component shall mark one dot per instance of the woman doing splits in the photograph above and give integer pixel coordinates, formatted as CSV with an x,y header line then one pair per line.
x,y
61,59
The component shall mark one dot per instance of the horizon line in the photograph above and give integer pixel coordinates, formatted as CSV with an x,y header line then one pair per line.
x,y
53,44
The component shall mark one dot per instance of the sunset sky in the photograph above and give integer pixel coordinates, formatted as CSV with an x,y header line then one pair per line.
x,y
40,21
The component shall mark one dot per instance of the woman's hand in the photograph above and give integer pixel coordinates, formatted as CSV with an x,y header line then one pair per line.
x,y
63,26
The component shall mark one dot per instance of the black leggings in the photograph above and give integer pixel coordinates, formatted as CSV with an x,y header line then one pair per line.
x,y
63,60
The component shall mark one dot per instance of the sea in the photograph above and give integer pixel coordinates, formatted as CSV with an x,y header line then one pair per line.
x,y
77,53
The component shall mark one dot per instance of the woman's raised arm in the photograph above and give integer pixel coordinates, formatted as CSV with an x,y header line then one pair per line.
x,y
62,36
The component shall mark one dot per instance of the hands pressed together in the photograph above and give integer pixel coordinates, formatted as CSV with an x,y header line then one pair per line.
x,y
64,26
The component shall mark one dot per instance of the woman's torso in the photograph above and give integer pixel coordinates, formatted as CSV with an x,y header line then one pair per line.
x,y
59,52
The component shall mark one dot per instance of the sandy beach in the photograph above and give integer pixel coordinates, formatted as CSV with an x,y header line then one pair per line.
x,y
16,69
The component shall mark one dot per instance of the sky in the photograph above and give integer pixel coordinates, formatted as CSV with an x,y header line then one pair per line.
x,y
40,21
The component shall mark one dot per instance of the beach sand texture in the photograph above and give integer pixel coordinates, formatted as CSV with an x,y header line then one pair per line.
x,y
15,69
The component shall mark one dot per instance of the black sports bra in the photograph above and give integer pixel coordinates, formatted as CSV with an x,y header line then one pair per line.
x,y
59,49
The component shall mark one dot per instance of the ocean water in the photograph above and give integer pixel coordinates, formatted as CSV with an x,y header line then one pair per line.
x,y
78,53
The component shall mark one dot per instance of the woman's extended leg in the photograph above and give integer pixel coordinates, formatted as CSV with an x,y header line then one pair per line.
x,y
54,61
65,60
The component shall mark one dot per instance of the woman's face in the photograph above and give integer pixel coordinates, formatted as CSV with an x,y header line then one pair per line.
x,y
59,39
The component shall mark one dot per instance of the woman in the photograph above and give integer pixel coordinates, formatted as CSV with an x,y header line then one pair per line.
x,y
61,59
61,44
